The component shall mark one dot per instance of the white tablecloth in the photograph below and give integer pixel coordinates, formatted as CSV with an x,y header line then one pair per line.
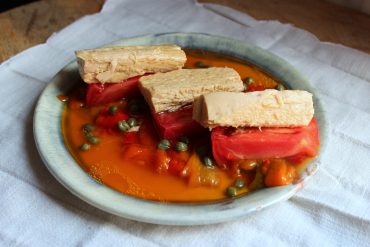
x,y
333,209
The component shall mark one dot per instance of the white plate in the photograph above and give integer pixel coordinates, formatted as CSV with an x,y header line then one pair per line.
x,y
50,144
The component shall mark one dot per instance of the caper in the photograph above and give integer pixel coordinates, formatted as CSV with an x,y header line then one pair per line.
x,y
201,64
245,85
184,139
231,191
93,140
248,80
239,183
280,87
208,162
85,147
132,122
123,126
88,127
164,144
88,134
181,146
113,109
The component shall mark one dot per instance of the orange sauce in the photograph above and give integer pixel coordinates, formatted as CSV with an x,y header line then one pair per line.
x,y
106,161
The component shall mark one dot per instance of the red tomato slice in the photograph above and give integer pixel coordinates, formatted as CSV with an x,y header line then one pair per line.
x,y
252,143
109,121
98,93
172,125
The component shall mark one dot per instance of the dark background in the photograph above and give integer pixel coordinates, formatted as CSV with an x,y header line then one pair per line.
x,y
9,4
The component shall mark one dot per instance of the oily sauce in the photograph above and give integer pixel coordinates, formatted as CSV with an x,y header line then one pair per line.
x,y
106,161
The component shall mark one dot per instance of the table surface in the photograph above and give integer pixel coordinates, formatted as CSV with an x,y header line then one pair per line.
x,y
33,23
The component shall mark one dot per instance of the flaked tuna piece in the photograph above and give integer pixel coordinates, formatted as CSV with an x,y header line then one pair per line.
x,y
268,108
115,64
172,90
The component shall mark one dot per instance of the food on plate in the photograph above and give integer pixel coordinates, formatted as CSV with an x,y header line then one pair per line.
x,y
138,135
113,73
171,94
115,64
268,108
284,121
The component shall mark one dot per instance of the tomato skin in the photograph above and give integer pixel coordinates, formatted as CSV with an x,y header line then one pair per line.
x,y
172,125
98,93
252,143
109,121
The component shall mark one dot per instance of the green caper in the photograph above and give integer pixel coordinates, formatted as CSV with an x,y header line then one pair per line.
x,y
245,85
248,80
93,140
88,127
280,87
239,183
184,139
85,147
88,134
123,126
231,191
164,144
208,162
181,146
201,64
113,109
132,122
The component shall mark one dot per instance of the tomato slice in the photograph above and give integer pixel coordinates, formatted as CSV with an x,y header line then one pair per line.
x,y
253,143
172,125
98,93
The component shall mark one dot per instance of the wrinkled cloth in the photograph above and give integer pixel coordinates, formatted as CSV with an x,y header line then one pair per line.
x,y
332,209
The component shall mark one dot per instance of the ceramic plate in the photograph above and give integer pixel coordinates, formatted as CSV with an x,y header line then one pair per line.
x,y
50,144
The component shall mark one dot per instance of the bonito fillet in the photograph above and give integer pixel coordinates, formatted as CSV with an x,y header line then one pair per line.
x,y
268,108
171,90
115,64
